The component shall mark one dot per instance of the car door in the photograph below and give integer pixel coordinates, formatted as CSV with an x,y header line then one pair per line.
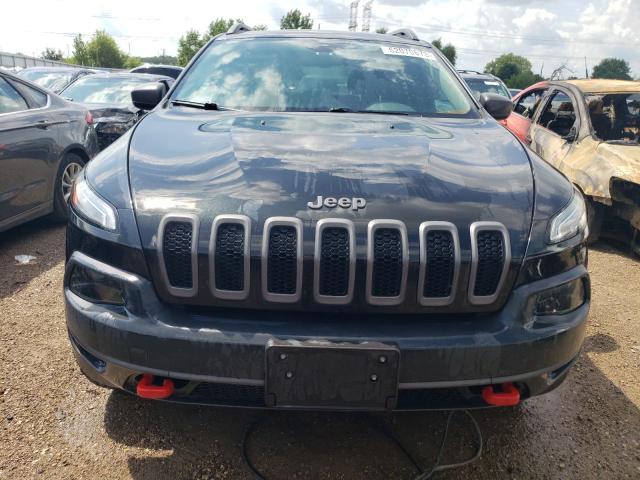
x,y
555,126
28,151
524,108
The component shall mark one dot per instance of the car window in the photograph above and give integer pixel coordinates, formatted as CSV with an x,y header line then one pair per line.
x,y
527,103
52,79
487,85
615,118
38,97
559,114
313,74
10,99
100,89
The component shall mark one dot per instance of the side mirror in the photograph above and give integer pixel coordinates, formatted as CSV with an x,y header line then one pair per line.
x,y
499,107
148,96
571,136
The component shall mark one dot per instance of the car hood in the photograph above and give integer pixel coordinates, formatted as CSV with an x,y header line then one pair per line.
x,y
263,165
111,113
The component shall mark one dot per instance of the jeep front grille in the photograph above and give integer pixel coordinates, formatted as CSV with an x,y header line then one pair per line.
x,y
490,258
177,242
334,266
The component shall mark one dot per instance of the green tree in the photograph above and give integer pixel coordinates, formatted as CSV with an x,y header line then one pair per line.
x,y
51,54
514,70
132,62
80,53
447,50
160,59
294,20
218,26
188,46
103,51
260,27
613,68
382,30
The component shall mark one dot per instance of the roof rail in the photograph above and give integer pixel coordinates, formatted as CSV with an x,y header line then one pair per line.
x,y
238,27
405,33
472,71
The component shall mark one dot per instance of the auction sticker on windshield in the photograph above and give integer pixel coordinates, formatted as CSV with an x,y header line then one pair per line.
x,y
408,52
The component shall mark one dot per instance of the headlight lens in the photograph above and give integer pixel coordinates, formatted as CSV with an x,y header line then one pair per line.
x,y
570,221
91,206
562,299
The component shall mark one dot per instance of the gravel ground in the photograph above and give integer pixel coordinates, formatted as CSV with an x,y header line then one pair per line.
x,y
55,424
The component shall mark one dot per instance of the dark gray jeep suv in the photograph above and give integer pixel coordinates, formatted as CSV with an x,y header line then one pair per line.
x,y
325,220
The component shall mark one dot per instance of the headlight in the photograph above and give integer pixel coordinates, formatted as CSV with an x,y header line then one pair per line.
x,y
92,207
570,221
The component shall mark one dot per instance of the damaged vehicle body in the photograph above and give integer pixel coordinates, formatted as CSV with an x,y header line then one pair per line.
x,y
590,131
108,98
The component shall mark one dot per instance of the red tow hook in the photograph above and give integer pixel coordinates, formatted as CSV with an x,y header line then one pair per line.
x,y
146,388
508,397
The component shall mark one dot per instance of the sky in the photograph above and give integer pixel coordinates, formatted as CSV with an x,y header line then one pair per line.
x,y
548,33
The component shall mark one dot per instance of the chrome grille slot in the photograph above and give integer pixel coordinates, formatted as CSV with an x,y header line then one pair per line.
x,y
334,269
229,256
177,241
490,258
387,262
282,259
439,263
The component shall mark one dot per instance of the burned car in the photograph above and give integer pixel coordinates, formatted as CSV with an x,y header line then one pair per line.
x,y
108,98
590,131
325,220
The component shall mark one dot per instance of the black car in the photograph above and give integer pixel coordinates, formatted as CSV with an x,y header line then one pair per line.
x,y
54,78
44,143
172,71
108,98
325,220
480,83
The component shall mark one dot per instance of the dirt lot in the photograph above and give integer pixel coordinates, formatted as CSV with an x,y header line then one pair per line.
x,y
55,424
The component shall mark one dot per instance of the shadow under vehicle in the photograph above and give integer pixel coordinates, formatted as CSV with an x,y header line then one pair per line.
x,y
44,143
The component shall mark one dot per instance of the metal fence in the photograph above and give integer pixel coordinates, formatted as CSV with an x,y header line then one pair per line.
x,y
15,60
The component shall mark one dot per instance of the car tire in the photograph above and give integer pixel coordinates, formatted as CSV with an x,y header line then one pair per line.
x,y
70,166
594,219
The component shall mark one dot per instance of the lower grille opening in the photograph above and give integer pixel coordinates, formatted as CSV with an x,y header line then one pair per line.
x,y
229,257
176,251
491,258
440,265
282,261
227,394
334,262
387,263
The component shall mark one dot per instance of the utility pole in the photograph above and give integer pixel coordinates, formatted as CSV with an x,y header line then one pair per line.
x,y
586,69
353,16
366,16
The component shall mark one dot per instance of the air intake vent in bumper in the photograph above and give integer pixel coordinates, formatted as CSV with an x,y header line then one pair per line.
x,y
490,259
177,241
334,270
229,256
387,262
439,263
282,259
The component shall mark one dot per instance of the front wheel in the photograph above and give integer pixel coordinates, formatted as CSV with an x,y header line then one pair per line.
x,y
70,166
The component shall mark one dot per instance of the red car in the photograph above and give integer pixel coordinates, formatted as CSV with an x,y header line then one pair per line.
x,y
524,105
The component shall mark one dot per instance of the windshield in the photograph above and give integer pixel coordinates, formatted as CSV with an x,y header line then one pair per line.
x,y
54,81
616,118
479,86
310,74
95,89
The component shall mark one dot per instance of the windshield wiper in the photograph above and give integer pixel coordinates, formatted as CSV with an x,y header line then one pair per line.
x,y
379,112
202,106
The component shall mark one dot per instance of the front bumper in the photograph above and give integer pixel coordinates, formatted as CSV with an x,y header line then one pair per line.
x,y
217,356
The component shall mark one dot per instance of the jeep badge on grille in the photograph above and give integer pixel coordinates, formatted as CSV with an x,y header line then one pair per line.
x,y
354,203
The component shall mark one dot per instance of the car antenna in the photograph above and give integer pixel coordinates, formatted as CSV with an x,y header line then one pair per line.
x,y
405,33
238,27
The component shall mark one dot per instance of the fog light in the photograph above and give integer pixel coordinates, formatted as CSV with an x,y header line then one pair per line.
x,y
562,299
95,286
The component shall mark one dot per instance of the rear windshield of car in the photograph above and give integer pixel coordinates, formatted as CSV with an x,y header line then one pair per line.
x,y
54,81
107,90
479,86
310,74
